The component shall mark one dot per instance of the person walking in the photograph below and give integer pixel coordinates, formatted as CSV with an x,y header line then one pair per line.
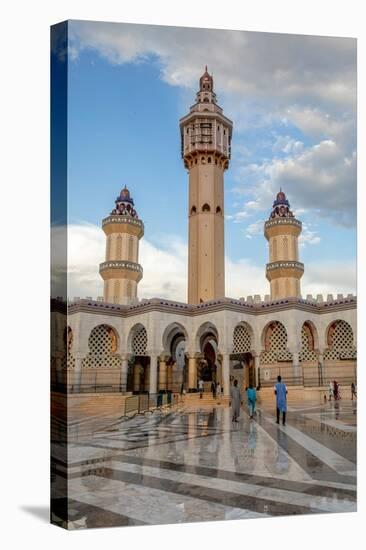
x,y
281,400
336,391
200,387
218,390
353,391
213,389
235,401
330,391
252,399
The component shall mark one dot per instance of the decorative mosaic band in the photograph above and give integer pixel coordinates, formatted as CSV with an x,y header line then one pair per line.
x,y
279,265
123,219
120,265
282,221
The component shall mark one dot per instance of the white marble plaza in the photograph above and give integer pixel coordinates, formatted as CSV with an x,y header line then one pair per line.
x,y
193,464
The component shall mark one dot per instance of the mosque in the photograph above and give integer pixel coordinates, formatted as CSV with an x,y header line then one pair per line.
x,y
121,344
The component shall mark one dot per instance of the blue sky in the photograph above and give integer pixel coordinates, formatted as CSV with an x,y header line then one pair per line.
x,y
292,101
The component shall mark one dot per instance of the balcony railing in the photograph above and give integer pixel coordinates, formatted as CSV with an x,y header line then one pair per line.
x,y
120,264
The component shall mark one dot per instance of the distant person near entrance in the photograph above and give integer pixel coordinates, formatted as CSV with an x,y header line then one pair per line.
x,y
218,390
353,391
281,400
213,389
235,401
200,387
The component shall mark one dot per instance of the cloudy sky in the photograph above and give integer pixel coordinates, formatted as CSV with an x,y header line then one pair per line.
x,y
292,100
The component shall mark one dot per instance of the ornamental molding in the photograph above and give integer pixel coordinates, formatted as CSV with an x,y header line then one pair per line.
x,y
121,218
282,221
132,266
286,265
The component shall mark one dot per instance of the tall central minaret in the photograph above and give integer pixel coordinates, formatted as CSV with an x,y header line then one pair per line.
x,y
206,143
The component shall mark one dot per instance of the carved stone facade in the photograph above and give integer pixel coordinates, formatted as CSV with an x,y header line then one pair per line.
x,y
164,345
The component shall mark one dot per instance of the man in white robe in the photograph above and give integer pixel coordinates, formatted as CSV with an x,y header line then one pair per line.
x,y
235,401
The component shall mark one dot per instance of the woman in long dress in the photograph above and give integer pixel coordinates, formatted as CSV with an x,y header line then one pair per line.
x,y
235,401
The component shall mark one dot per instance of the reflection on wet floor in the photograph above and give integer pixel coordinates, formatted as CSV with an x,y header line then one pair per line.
x,y
196,465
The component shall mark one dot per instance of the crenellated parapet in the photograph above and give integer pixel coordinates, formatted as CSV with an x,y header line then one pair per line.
x,y
251,304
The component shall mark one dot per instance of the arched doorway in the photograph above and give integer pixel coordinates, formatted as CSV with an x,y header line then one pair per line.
x,y
139,362
241,358
175,341
208,365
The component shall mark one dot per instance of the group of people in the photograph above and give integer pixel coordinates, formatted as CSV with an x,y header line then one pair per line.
x,y
280,391
215,388
334,391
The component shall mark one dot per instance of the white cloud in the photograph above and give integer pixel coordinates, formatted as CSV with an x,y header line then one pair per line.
x,y
319,178
165,270
263,80
255,228
337,277
308,236
287,145
255,65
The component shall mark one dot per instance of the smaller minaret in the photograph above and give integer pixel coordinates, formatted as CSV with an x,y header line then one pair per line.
x,y
121,271
282,231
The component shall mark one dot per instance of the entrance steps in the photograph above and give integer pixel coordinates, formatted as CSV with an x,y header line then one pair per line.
x,y
207,399
295,395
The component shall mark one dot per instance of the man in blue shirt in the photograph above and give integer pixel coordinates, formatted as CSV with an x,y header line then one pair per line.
x,y
281,400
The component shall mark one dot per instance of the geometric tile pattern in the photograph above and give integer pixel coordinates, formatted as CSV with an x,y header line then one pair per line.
x,y
139,341
103,346
307,352
275,344
340,341
242,339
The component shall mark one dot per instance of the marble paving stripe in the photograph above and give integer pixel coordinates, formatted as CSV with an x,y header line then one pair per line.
x,y
85,515
151,505
309,462
208,493
279,496
349,489
331,422
335,461
144,443
270,482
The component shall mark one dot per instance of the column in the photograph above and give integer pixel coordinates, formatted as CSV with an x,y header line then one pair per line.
x,y
226,373
77,373
136,376
124,372
162,373
153,374
58,373
256,367
192,372
169,378
321,366
296,368
147,378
